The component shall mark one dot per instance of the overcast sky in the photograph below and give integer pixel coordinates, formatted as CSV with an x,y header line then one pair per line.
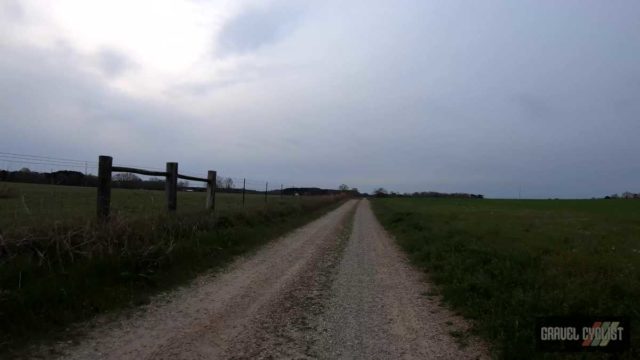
x,y
473,96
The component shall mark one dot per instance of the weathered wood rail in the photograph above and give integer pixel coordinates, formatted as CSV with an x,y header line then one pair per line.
x,y
171,175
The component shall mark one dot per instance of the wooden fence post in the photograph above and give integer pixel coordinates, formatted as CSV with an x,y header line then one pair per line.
x,y
171,187
211,190
244,186
104,186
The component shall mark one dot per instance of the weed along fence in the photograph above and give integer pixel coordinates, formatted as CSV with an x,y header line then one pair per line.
x,y
171,175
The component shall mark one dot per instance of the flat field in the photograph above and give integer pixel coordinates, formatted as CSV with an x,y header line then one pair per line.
x,y
26,204
505,262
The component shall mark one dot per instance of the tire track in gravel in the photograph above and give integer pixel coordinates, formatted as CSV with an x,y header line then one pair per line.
x,y
289,327
338,287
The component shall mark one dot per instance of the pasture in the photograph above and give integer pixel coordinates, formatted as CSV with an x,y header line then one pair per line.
x,y
504,262
29,204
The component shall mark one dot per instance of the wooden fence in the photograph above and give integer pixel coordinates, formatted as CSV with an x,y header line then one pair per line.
x,y
171,175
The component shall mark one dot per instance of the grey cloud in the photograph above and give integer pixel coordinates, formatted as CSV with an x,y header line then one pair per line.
x,y
414,96
535,107
113,63
257,27
47,106
241,76
11,10
202,88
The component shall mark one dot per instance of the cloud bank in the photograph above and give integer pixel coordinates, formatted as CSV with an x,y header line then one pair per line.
x,y
537,97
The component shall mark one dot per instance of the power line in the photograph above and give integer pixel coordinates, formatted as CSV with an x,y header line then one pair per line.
x,y
48,160
56,162
46,163
41,157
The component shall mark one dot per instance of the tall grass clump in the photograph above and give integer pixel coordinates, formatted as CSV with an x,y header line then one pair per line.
x,y
54,275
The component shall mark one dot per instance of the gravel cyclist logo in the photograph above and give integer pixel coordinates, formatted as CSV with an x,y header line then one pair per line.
x,y
602,333
609,334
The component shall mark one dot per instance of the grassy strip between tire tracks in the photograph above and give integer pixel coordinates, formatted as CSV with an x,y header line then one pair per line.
x,y
501,263
51,277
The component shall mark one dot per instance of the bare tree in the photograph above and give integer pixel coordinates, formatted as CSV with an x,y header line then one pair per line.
x,y
126,177
343,187
228,183
127,180
224,183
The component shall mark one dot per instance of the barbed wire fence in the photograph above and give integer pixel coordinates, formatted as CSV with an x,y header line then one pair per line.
x,y
22,177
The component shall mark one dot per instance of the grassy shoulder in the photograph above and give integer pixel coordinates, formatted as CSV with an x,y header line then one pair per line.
x,y
26,205
502,263
52,276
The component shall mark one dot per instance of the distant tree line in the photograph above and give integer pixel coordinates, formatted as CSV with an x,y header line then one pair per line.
x,y
382,192
311,191
118,180
434,194
133,181
63,177
624,195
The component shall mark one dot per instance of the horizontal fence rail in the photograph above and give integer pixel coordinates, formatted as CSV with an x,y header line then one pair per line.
x,y
171,175
193,178
137,171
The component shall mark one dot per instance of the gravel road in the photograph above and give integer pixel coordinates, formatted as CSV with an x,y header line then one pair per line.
x,y
336,288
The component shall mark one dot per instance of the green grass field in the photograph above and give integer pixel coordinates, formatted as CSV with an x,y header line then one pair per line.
x,y
504,262
36,203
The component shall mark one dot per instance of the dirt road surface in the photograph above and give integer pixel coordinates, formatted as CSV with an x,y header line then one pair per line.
x,y
337,288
